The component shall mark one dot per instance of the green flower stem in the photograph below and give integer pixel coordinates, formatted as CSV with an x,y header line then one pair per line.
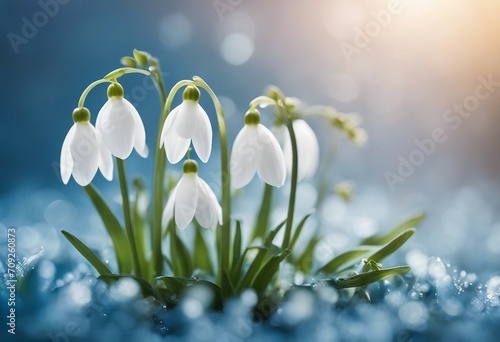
x,y
110,78
127,215
262,224
225,179
159,175
293,191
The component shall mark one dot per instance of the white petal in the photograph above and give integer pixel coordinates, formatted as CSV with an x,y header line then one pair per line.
x,y
307,148
168,212
66,163
105,159
271,165
186,124
117,125
85,152
208,208
175,146
140,133
244,156
202,139
186,198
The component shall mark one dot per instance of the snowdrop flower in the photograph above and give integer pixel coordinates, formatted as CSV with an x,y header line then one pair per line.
x,y
120,125
256,149
82,152
307,149
187,122
192,198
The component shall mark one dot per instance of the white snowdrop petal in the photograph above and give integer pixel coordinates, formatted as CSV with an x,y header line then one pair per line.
x,y
244,156
202,139
271,164
204,214
105,159
186,198
85,152
117,125
168,212
140,133
66,163
175,146
186,123
307,148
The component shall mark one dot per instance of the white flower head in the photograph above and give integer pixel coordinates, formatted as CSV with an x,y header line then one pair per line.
x,y
192,198
307,149
187,122
256,150
120,125
83,153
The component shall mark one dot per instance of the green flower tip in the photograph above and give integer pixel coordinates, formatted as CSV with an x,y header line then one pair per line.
x,y
252,117
141,57
190,166
191,93
115,89
128,61
81,114
275,93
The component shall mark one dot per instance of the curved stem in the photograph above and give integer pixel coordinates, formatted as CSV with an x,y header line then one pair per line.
x,y
225,180
87,90
127,215
293,191
159,173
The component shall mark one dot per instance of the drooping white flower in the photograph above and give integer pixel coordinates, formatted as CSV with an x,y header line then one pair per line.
x,y
192,198
83,153
187,122
256,149
307,149
120,125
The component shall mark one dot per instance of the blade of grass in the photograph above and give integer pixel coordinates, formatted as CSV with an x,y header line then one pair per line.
x,y
91,257
364,279
202,259
115,230
342,259
382,239
390,248
264,213
298,230
268,271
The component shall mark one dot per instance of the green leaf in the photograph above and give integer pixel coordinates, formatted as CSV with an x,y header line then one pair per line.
x,y
115,230
146,288
367,278
342,259
236,271
304,262
237,245
272,234
140,234
175,287
298,230
268,271
181,260
263,218
253,269
87,253
390,248
385,238
201,255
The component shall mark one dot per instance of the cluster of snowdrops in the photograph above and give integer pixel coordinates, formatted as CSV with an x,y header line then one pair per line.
x,y
148,248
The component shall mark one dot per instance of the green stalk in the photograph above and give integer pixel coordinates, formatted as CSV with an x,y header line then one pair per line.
x,y
159,175
127,215
225,180
293,191
262,223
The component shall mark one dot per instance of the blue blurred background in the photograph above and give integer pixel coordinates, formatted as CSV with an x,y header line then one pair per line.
x,y
400,72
